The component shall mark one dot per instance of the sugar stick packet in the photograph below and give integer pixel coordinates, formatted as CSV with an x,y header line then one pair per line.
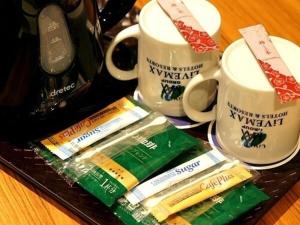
x,y
174,175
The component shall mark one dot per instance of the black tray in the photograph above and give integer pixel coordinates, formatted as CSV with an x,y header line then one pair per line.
x,y
32,168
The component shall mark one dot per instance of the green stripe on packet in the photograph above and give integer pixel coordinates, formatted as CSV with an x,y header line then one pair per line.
x,y
240,201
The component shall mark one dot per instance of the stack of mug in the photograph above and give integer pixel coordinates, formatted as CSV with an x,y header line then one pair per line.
x,y
251,123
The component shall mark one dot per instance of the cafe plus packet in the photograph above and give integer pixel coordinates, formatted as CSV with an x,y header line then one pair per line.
x,y
219,210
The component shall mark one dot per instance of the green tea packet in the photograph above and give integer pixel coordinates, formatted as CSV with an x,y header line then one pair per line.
x,y
221,209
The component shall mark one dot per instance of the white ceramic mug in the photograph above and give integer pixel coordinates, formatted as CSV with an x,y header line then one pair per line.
x,y
166,62
251,123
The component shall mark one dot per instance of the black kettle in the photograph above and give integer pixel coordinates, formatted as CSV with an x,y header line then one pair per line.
x,y
54,52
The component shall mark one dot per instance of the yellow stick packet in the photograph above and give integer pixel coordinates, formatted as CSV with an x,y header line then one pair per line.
x,y
200,191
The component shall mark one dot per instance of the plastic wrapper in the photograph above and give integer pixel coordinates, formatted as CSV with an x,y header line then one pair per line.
x,y
99,125
175,175
121,162
218,210
214,179
199,191
206,175
115,164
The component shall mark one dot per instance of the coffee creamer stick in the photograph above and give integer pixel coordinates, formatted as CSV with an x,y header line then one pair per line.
x,y
200,191
174,176
97,126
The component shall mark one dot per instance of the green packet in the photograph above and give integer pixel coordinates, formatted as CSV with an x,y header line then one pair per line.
x,y
223,209
128,158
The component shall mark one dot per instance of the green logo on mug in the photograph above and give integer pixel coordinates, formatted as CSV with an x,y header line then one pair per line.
x,y
171,92
252,139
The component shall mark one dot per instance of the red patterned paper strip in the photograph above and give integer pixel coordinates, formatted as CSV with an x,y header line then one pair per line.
x,y
285,86
188,26
200,41
277,72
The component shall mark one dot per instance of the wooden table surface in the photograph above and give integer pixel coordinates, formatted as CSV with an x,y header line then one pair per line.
x,y
23,204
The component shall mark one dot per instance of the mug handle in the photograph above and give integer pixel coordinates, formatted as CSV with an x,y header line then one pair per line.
x,y
132,31
191,112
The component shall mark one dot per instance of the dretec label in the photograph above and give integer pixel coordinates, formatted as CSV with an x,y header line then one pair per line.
x,y
62,90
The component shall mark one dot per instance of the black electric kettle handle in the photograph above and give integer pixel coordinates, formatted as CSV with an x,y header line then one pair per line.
x,y
113,12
